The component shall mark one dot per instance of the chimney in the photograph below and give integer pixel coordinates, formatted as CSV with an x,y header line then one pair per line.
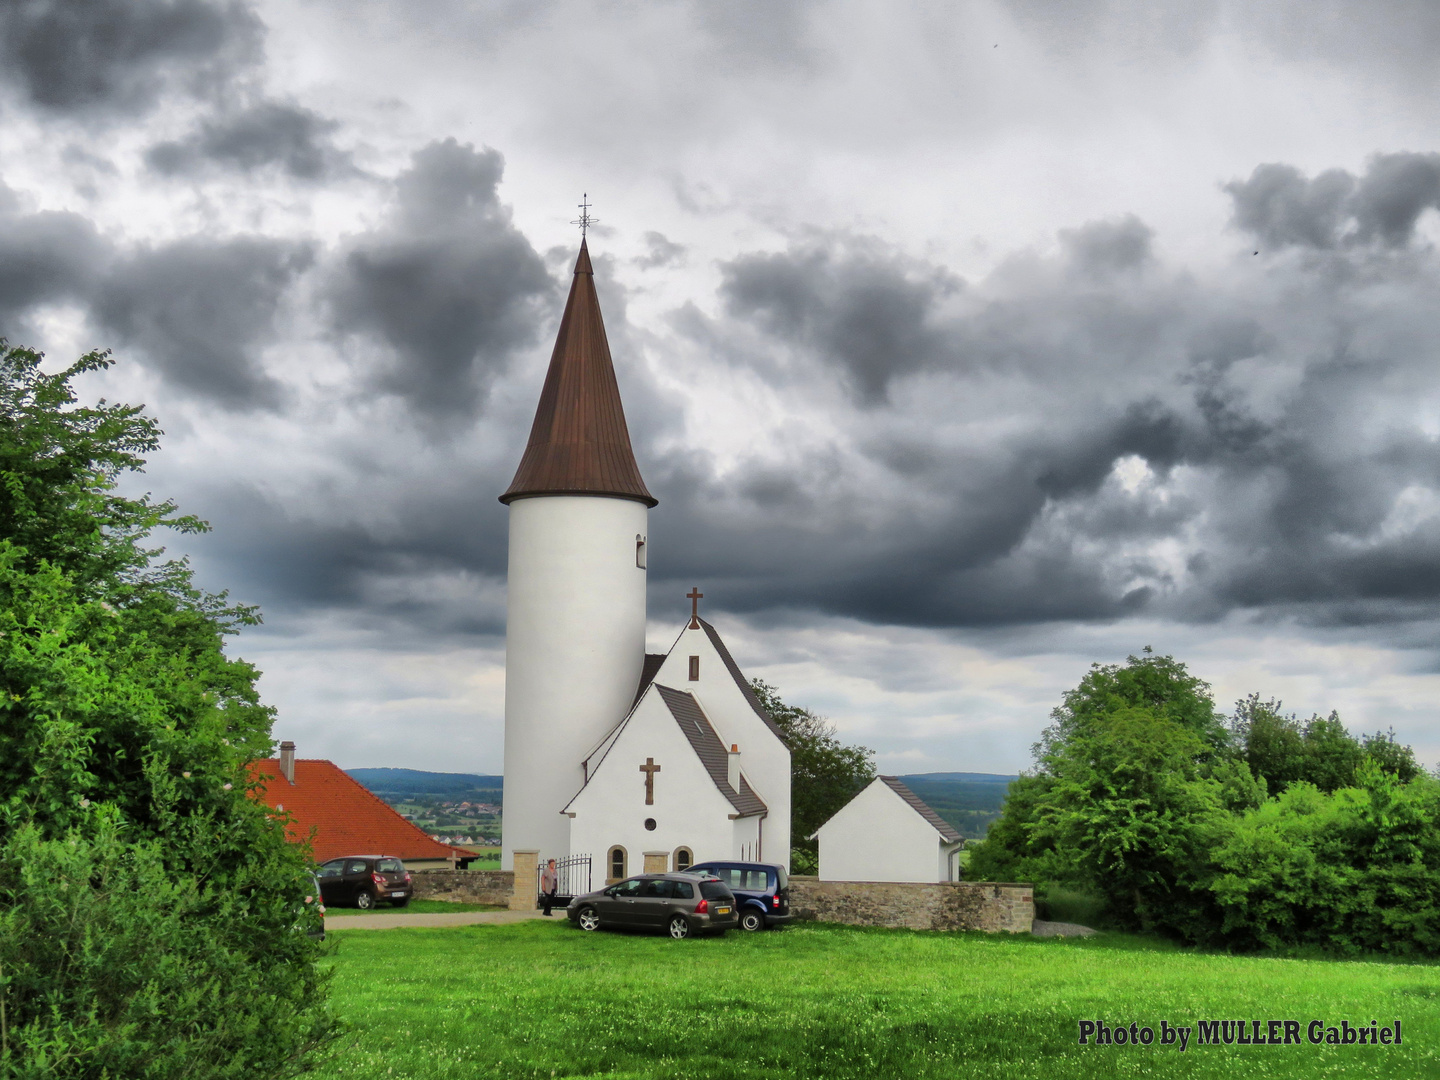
x,y
733,773
287,760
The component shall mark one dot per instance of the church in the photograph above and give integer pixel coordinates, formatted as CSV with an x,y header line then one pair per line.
x,y
616,759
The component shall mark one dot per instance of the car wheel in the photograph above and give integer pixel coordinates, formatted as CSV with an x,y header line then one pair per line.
x,y
752,921
364,900
679,927
401,902
589,919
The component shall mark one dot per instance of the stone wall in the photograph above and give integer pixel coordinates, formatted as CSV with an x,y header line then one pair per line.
x,y
464,886
994,906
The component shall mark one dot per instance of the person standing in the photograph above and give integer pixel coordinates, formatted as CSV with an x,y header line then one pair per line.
x,y
549,882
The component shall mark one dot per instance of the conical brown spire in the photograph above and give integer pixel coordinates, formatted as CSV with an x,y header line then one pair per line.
x,y
579,444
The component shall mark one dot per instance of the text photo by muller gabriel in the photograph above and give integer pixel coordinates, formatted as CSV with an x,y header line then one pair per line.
x,y
1239,1033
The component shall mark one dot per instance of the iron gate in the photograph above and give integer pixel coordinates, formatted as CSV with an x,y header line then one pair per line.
x,y
572,877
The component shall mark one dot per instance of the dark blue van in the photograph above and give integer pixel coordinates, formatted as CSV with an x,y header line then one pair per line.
x,y
762,891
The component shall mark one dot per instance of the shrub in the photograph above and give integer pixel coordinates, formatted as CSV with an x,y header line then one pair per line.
x,y
148,907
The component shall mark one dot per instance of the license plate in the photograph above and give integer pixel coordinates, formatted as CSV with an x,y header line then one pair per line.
x,y
722,911
397,892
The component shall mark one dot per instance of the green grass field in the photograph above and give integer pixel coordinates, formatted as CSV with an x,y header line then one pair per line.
x,y
542,999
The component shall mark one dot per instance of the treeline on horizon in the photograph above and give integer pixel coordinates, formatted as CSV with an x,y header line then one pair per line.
x,y
1253,830
970,802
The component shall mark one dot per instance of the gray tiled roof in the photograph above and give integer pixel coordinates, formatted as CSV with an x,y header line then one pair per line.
x,y
741,681
943,827
648,669
709,749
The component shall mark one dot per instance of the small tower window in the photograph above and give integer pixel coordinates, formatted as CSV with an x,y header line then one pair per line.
x,y
640,551
617,863
683,859
694,668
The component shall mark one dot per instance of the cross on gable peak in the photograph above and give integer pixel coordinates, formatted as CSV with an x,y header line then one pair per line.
x,y
694,596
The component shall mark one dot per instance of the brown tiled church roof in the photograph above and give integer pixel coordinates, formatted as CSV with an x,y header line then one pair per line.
x,y
579,444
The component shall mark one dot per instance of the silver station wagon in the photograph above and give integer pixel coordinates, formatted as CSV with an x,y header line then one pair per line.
x,y
682,905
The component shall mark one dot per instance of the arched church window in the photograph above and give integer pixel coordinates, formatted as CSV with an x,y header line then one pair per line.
x,y
640,551
683,859
617,863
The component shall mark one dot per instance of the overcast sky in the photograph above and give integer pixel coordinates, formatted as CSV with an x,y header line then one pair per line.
x,y
963,344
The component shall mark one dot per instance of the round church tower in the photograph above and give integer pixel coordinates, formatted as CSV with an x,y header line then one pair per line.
x,y
575,607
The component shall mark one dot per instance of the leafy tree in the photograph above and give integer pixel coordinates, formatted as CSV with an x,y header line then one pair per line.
x,y
825,773
1037,836
1161,684
1132,806
1320,751
148,907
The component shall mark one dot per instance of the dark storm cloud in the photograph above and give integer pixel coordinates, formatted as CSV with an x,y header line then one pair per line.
x,y
290,559
448,282
78,56
198,310
294,139
1281,207
45,258
661,251
1109,246
851,302
1094,434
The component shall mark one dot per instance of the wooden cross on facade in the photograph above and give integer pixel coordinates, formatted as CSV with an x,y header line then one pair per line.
x,y
649,769
694,596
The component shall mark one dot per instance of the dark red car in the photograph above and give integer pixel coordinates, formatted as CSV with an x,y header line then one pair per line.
x,y
364,880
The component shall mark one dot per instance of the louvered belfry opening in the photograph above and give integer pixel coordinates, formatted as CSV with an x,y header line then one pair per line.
x,y
579,444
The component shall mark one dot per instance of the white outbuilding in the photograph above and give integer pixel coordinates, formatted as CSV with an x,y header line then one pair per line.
x,y
887,833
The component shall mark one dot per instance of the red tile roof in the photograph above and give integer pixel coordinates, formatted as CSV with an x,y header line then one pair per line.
x,y
347,819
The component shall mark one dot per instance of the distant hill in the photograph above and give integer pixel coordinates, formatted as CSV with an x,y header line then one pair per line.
x,y
394,782
976,777
969,801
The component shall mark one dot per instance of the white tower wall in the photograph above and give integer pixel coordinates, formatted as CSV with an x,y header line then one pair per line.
x,y
574,646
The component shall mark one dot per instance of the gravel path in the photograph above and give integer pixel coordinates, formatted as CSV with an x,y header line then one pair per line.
x,y
1040,928
387,920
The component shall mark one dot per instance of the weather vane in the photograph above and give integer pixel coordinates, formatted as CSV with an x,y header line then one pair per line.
x,y
585,220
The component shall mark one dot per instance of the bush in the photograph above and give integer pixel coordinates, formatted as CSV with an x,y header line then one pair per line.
x,y
148,906
1356,870
116,965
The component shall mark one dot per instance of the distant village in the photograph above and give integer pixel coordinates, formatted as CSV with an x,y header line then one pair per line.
x,y
475,824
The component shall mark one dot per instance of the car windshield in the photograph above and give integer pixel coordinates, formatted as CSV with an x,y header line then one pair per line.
x,y
389,866
714,890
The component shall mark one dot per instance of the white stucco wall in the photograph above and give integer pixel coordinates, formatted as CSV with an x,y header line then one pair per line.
x,y
877,836
764,759
574,645
688,811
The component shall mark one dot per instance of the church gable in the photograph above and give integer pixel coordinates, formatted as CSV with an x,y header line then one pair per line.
x,y
700,663
673,721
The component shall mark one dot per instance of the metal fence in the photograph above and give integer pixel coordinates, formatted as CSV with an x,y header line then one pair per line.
x,y
572,875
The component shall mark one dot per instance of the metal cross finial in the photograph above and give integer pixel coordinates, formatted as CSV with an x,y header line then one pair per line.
x,y
585,220
695,596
